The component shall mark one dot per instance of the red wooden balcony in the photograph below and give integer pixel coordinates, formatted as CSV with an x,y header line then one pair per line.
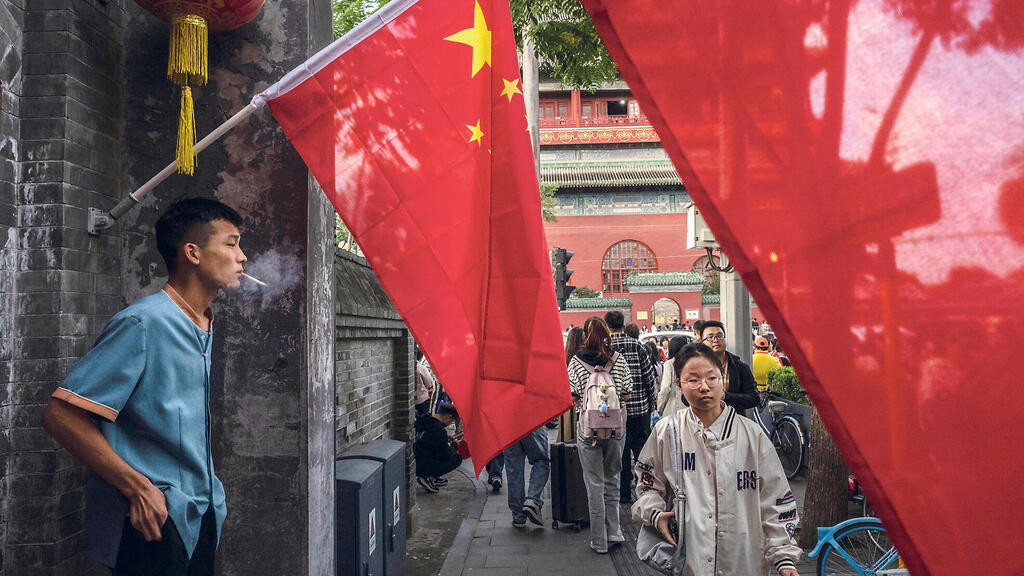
x,y
595,121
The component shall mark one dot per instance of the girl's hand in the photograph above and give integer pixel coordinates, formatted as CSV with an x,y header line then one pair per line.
x,y
663,527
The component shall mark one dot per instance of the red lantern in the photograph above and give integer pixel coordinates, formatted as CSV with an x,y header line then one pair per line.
x,y
190,22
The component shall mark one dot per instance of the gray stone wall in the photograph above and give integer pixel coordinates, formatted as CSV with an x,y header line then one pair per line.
x,y
272,387
62,127
86,116
12,19
374,364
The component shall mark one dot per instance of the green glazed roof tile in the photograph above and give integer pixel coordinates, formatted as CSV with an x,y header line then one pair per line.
x,y
610,173
664,279
577,303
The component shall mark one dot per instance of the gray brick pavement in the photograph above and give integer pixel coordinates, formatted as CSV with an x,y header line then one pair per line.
x,y
488,545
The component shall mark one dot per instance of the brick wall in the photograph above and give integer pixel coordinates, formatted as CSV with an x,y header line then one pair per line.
x,y
11,22
374,356
66,158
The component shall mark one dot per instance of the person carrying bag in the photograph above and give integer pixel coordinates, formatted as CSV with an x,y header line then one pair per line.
x,y
739,513
663,555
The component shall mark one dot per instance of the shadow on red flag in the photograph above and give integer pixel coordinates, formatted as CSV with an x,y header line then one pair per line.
x,y
861,165
415,127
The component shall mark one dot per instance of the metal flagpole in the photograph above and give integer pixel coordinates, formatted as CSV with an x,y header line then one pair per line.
x,y
99,220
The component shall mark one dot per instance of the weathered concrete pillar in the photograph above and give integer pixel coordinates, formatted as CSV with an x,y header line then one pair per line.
x,y
273,383
60,134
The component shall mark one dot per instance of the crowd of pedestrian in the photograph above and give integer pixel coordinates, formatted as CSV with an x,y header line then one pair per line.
x,y
656,396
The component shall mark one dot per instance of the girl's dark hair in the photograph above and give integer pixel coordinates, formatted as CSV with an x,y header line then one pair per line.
x,y
597,338
573,343
675,344
652,351
691,351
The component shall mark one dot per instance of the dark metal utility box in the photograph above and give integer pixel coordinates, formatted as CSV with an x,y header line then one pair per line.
x,y
391,455
359,485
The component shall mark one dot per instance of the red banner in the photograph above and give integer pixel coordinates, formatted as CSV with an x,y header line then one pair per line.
x,y
865,174
415,127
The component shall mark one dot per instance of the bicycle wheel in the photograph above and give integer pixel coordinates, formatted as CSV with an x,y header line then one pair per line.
x,y
857,552
868,511
789,442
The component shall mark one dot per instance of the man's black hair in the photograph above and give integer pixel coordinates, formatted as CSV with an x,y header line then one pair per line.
x,y
709,324
614,319
448,409
186,221
697,327
632,330
419,354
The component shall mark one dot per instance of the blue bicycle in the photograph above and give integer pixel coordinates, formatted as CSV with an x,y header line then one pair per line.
x,y
856,547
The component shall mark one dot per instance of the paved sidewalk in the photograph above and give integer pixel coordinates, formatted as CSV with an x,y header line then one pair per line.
x,y
487,545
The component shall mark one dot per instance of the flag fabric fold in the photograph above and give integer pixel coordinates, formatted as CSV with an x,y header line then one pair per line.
x,y
862,165
414,125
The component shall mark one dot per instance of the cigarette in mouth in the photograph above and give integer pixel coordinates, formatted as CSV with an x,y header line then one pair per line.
x,y
260,282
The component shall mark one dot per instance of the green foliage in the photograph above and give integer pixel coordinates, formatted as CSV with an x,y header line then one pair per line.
x,y
585,292
784,382
548,202
712,283
348,13
568,46
344,239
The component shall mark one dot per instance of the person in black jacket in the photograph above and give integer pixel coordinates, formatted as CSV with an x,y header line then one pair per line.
x,y
740,388
436,454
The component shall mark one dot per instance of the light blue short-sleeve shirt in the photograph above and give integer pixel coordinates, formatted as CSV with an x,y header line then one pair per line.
x,y
148,378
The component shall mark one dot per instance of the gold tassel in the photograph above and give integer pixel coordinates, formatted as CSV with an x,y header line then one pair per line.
x,y
186,62
184,154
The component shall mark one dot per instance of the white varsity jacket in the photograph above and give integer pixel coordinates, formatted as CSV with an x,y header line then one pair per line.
x,y
740,512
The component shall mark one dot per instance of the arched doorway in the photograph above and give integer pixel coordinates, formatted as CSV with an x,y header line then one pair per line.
x,y
622,259
665,311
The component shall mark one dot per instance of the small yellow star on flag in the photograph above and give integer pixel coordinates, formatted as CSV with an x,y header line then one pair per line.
x,y
478,37
478,134
511,88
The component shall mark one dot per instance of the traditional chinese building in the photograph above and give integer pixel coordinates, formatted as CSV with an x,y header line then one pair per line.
x,y
621,208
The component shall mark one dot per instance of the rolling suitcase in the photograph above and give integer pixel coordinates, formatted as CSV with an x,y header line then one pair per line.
x,y
568,492
567,426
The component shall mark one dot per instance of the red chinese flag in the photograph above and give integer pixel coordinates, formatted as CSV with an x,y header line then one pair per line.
x,y
414,125
862,165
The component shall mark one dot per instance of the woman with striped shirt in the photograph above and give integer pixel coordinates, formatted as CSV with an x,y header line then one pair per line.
x,y
601,459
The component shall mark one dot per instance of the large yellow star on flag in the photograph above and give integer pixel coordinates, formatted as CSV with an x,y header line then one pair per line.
x,y
478,37
478,134
511,88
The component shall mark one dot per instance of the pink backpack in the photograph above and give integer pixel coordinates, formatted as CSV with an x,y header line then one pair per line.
x,y
601,415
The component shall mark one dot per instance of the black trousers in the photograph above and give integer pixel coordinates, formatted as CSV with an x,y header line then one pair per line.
x,y
638,428
432,467
166,557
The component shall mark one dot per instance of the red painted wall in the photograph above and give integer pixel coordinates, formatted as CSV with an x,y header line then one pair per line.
x,y
591,236
578,317
715,313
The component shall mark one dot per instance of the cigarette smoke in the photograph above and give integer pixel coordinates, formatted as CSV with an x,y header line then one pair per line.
x,y
280,269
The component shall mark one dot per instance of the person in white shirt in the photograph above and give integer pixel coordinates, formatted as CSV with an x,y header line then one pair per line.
x,y
424,385
740,513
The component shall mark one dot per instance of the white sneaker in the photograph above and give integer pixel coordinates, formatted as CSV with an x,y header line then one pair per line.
x,y
616,539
